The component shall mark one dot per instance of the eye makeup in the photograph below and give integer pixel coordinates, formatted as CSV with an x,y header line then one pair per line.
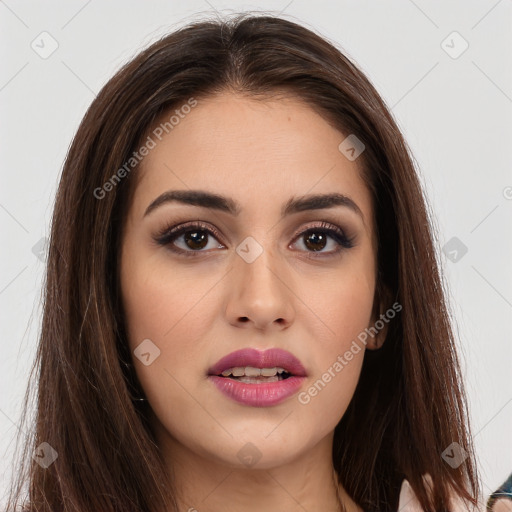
x,y
198,232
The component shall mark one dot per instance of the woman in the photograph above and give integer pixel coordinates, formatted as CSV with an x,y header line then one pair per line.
x,y
243,307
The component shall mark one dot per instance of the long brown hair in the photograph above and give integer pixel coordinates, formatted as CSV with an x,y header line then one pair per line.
x,y
409,405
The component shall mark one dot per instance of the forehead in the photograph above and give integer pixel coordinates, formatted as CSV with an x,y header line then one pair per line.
x,y
258,152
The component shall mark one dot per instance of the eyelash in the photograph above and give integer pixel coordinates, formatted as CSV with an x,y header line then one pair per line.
x,y
170,233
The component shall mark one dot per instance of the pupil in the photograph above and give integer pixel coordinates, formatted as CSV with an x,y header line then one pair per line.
x,y
192,238
315,238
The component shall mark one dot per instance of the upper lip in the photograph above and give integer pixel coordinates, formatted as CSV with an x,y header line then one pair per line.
x,y
274,357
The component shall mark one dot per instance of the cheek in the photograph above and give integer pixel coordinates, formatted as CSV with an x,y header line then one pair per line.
x,y
338,308
162,302
336,318
338,361
173,310
345,305
323,402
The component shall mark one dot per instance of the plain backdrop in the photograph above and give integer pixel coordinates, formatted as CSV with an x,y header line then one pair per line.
x,y
443,68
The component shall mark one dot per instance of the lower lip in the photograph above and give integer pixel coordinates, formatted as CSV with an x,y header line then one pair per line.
x,y
258,395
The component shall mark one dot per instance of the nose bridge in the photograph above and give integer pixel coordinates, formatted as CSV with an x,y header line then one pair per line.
x,y
259,263
262,295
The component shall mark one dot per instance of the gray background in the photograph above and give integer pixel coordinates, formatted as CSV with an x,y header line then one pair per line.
x,y
455,112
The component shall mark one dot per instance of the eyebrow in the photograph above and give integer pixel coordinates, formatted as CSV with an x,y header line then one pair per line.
x,y
225,204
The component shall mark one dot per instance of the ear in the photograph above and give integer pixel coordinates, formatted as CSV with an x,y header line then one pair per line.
x,y
379,322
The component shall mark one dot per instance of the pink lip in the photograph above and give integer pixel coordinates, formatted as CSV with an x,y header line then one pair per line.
x,y
258,395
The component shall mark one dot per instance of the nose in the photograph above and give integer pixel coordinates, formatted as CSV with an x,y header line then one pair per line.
x,y
260,294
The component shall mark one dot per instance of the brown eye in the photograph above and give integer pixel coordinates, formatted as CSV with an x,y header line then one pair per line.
x,y
195,239
189,239
315,241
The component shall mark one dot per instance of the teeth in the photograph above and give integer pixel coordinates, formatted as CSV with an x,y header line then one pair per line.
x,y
250,371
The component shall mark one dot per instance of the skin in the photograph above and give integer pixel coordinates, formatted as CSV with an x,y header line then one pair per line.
x,y
197,310
502,505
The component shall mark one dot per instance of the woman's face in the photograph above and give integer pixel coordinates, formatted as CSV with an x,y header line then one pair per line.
x,y
265,275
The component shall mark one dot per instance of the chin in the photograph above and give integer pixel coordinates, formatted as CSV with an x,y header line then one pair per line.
x,y
257,451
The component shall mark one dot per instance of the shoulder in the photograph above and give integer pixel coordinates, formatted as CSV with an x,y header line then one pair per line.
x,y
408,501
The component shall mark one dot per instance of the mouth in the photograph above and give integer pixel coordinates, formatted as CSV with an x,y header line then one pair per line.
x,y
258,379
252,375
254,366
